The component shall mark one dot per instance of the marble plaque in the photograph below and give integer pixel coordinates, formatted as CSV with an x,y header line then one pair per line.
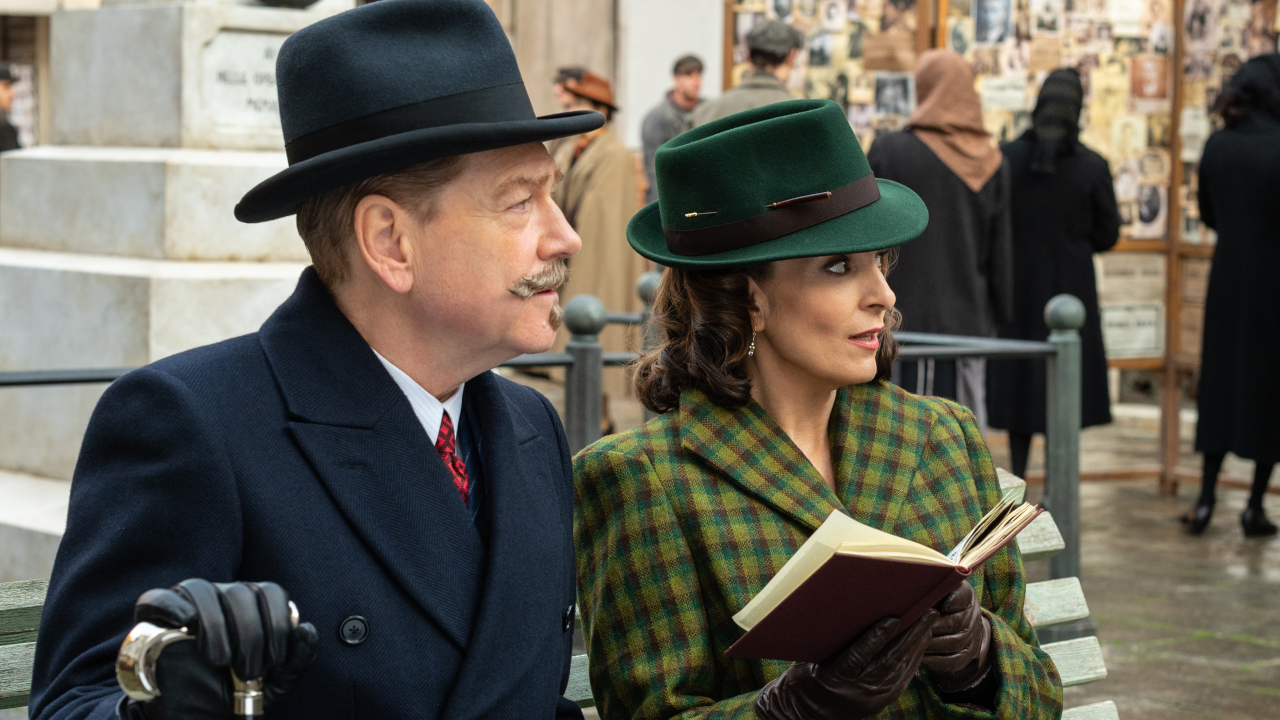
x,y
1133,330
239,79
1127,277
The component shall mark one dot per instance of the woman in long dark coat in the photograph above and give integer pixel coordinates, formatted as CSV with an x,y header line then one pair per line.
x,y
1239,371
1064,211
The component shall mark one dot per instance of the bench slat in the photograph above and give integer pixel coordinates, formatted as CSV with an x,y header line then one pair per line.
x,y
16,662
1079,661
1055,602
1040,539
20,606
1097,711
579,689
1008,481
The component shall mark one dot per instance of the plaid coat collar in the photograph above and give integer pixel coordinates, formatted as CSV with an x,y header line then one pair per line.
x,y
877,442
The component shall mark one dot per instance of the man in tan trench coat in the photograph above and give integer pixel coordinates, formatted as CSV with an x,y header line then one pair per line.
x,y
598,195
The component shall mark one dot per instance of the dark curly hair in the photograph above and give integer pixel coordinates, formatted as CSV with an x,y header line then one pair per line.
x,y
705,326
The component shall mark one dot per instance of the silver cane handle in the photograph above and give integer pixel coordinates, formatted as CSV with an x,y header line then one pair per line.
x,y
136,666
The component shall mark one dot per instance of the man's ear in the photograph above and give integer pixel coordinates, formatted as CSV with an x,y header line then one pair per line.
x,y
757,305
381,227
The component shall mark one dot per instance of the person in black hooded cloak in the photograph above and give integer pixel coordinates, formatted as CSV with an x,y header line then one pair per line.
x,y
1064,210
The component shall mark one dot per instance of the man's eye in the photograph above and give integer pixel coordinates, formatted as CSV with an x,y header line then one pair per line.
x,y
520,206
839,268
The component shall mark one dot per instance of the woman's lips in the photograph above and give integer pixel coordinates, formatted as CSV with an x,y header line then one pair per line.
x,y
869,340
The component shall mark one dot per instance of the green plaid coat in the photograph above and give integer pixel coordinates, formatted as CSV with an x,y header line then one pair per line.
x,y
680,522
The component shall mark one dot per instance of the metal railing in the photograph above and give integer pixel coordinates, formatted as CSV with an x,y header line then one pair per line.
x,y
584,360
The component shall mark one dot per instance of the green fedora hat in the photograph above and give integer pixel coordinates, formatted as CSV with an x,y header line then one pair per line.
x,y
782,181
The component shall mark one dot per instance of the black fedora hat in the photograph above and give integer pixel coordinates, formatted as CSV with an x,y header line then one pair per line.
x,y
392,84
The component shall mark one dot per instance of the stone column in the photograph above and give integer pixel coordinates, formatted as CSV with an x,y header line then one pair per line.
x,y
117,242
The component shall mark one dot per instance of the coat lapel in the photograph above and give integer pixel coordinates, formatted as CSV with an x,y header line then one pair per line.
x,y
360,435
526,583
878,440
748,446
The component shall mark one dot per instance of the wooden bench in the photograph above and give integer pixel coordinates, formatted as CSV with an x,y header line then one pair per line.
x,y
1049,603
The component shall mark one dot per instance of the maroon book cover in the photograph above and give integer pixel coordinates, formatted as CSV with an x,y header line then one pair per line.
x,y
847,595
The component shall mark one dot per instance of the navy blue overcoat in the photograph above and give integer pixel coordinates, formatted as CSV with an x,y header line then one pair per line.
x,y
290,455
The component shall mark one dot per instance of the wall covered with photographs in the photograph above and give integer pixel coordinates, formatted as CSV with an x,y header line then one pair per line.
x,y
860,53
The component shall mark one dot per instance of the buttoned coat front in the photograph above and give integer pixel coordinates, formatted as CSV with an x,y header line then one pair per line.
x,y
291,455
682,521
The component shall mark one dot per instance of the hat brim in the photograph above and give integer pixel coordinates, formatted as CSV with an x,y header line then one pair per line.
x,y
282,193
898,216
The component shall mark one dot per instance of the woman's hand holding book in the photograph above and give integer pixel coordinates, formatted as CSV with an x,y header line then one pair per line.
x,y
957,654
858,682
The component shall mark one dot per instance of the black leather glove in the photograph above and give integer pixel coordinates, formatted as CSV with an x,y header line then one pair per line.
x,y
957,655
857,682
242,626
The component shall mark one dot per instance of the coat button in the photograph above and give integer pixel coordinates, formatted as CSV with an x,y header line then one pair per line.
x,y
568,618
354,630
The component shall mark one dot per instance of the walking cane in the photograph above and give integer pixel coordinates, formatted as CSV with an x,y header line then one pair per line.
x,y
136,666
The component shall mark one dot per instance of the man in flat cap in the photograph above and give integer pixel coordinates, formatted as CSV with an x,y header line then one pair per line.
x,y
672,116
772,45
354,464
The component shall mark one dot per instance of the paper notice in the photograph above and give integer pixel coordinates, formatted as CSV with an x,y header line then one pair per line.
x,y
1046,54
1008,93
1125,17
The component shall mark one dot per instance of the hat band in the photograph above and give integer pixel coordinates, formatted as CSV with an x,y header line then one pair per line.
x,y
501,103
775,223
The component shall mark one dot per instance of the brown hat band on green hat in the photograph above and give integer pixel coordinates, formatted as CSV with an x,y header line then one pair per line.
x,y
781,218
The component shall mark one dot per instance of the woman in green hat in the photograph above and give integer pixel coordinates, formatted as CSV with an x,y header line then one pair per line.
x,y
772,377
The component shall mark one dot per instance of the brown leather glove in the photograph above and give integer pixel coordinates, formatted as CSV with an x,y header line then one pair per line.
x,y
857,682
957,655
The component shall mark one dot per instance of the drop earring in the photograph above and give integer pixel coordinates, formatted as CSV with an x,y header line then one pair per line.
x,y
751,349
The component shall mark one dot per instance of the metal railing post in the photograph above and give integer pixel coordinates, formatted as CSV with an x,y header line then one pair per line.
x,y
1064,315
585,317
647,288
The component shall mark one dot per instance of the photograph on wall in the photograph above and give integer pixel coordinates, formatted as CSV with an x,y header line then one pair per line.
x,y
857,31
1153,211
960,35
781,9
1149,82
862,89
991,21
1048,15
834,15
821,44
895,93
899,16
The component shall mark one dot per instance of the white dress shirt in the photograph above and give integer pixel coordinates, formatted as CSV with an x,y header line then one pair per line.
x,y
429,410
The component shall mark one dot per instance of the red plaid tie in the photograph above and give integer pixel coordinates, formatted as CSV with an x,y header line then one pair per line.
x,y
447,446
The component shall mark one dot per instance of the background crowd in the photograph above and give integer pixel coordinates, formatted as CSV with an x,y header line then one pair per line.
x,y
1011,225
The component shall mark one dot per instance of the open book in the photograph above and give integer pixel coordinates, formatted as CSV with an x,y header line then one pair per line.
x,y
847,576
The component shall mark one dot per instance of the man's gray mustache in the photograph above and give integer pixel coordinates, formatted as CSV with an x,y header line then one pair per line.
x,y
551,278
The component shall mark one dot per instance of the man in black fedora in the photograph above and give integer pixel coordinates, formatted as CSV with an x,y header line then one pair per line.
x,y
355,456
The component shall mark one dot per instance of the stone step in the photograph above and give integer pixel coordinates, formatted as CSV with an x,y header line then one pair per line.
x,y
140,202
32,519
69,311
